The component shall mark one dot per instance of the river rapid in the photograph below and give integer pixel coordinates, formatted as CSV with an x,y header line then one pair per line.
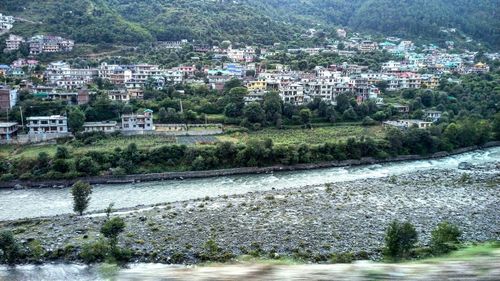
x,y
30,203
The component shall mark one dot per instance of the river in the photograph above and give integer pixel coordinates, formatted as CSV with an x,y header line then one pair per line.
x,y
29,203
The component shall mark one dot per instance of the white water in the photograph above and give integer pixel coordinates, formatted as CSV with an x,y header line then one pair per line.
x,y
28,203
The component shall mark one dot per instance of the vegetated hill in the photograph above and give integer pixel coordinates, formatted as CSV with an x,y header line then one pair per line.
x,y
259,21
415,19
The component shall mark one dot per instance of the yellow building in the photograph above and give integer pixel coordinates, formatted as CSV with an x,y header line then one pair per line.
x,y
257,85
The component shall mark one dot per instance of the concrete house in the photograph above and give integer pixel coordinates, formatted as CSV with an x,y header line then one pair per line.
x,y
8,131
55,124
106,126
8,98
138,122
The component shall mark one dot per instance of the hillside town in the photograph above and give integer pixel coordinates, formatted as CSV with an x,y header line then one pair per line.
x,y
419,67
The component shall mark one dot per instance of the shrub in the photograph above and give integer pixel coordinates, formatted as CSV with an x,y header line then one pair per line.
x,y
400,239
112,228
9,247
212,252
7,177
95,251
60,165
342,258
445,238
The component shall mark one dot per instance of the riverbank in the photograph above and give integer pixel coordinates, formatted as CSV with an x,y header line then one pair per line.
x,y
236,171
311,223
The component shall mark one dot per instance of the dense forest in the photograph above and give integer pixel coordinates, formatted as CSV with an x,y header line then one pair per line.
x,y
254,21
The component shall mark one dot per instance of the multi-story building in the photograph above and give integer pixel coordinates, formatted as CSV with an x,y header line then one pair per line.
x,y
6,22
13,43
293,93
63,76
8,131
138,122
80,97
367,46
49,44
8,97
119,95
55,124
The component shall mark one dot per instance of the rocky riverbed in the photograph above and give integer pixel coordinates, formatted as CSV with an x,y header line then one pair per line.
x,y
312,222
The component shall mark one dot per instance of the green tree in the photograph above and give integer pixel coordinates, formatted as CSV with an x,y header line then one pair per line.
x,y
9,247
81,192
305,116
76,119
254,113
62,152
400,239
496,126
445,238
112,228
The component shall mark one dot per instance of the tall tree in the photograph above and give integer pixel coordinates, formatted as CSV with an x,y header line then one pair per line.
x,y
81,192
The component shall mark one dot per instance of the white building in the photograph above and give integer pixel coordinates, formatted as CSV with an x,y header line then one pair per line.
x,y
8,131
106,126
432,115
13,43
138,122
55,124
292,93
6,22
405,124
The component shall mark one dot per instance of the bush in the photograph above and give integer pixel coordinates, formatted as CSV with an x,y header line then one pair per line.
x,y
9,247
95,252
112,228
400,239
7,177
60,165
121,255
212,252
342,258
445,238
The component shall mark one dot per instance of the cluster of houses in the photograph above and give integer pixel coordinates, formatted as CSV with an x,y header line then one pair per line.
x,y
46,128
39,44
43,128
6,23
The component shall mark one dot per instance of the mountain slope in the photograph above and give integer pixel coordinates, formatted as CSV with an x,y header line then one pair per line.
x,y
254,21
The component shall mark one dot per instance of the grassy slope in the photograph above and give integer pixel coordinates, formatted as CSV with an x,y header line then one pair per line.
x,y
289,136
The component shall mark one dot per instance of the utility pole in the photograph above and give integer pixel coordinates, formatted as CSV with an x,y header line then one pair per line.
x,y
22,120
182,110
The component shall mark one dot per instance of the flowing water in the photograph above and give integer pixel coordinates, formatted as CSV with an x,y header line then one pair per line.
x,y
16,204
29,203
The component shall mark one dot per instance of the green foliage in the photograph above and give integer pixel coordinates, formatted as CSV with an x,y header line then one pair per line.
x,y
400,239
342,258
445,238
112,228
76,118
252,21
9,248
95,251
62,153
81,196
212,252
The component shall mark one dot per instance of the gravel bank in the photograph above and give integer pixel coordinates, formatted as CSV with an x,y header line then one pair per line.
x,y
311,222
